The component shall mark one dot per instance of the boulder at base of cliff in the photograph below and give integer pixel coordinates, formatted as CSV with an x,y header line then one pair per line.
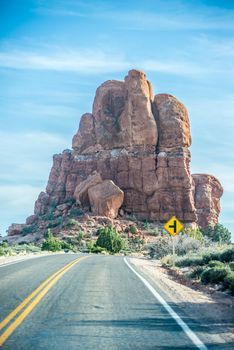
x,y
106,198
81,191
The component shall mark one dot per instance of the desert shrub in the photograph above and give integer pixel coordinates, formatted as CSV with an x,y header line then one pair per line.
x,y
51,243
216,263
227,255
196,272
217,233
2,251
193,233
167,261
160,248
189,261
154,231
185,245
56,223
231,265
214,274
110,239
137,240
67,246
28,229
4,245
210,256
53,205
70,200
93,248
49,216
29,248
133,229
71,223
74,212
228,282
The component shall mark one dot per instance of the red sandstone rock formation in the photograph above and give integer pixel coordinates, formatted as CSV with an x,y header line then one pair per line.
x,y
81,191
106,198
208,191
140,142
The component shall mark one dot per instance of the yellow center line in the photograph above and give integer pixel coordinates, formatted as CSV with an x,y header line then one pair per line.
x,y
31,296
52,280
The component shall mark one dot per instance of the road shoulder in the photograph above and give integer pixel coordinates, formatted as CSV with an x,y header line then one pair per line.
x,y
215,311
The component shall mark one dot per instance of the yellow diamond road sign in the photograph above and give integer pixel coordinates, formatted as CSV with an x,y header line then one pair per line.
x,y
173,226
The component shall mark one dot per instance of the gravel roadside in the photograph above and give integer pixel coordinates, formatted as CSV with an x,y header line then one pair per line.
x,y
216,310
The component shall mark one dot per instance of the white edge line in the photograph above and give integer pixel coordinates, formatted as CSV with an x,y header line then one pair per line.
x,y
196,341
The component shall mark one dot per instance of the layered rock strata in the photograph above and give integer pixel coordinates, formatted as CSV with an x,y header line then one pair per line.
x,y
141,143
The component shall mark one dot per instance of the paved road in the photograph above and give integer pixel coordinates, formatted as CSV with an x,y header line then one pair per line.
x,y
96,303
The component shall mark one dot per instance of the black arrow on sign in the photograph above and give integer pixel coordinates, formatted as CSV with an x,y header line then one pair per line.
x,y
173,226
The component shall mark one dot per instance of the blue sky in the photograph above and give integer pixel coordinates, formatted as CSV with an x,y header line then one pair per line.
x,y
54,54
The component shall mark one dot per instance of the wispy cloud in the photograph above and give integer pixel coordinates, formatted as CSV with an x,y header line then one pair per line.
x,y
91,61
99,61
176,15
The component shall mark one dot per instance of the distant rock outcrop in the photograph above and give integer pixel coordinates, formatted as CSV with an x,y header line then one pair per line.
x,y
141,143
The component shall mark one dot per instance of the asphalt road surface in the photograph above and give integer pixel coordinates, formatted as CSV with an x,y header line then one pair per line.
x,y
67,301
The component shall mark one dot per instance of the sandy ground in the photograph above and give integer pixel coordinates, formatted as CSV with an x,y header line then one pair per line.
x,y
215,309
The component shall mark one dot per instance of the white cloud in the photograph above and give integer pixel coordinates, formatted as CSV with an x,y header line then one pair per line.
x,y
100,61
73,61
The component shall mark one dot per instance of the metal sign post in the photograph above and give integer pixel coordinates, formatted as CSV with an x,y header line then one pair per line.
x,y
173,227
173,252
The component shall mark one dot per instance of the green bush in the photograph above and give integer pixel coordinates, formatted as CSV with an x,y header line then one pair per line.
x,y
28,229
2,251
214,275
49,216
193,233
167,261
133,229
227,255
189,261
228,282
217,233
72,222
196,272
185,245
160,248
67,246
4,245
80,236
51,243
56,223
211,256
231,265
74,212
216,263
110,239
70,200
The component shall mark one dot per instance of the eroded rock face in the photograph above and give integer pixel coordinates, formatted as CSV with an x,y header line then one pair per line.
x,y
173,123
122,116
106,198
141,143
208,192
41,204
15,229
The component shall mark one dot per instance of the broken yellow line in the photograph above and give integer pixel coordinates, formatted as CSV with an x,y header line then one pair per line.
x,y
41,291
